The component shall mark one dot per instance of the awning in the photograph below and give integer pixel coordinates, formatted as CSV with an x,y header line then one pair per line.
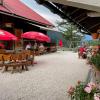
x,y
16,7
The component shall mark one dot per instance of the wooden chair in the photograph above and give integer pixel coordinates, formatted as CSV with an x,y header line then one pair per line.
x,y
10,60
2,51
6,61
41,51
1,60
30,56
24,61
18,61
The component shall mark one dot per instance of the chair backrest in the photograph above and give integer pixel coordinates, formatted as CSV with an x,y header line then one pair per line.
x,y
16,57
24,56
2,51
6,57
28,53
1,57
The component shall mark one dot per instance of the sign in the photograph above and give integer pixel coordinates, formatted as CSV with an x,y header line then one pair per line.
x,y
9,25
18,33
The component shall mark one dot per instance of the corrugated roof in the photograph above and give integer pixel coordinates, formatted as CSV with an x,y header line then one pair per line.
x,y
3,8
20,9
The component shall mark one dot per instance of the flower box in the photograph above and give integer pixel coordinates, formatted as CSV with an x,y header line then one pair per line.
x,y
95,35
97,73
83,91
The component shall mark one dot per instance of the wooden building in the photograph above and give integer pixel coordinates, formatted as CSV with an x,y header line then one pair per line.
x,y
17,18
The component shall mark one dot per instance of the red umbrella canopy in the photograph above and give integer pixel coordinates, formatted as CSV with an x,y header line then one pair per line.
x,y
60,43
43,37
4,35
36,36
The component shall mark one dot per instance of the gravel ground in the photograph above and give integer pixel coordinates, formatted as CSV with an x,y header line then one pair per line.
x,y
49,79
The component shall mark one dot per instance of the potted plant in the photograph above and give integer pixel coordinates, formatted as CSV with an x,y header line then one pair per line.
x,y
95,60
83,91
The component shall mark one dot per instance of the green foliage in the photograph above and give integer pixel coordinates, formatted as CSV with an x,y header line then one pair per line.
x,y
83,91
71,33
96,61
69,30
80,94
94,42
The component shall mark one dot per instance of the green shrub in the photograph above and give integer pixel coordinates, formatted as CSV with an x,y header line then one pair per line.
x,y
96,61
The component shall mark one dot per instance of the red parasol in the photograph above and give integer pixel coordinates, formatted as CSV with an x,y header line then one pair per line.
x,y
4,35
36,36
60,43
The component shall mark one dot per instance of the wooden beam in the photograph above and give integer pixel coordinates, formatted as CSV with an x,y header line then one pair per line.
x,y
82,19
93,5
94,26
79,16
74,11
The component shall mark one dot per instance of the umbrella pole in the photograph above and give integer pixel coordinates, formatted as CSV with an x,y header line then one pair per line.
x,y
13,45
22,43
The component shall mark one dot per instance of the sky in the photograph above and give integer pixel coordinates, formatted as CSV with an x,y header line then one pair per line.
x,y
46,13
87,37
43,11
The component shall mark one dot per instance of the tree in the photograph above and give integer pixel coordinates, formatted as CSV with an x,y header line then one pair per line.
x,y
71,33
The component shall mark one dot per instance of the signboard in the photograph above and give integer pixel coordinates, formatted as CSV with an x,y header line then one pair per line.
x,y
9,25
18,44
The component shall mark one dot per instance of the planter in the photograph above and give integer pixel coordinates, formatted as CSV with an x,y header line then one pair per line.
x,y
97,73
83,91
94,35
96,65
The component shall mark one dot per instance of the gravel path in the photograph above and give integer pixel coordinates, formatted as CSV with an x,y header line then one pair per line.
x,y
49,79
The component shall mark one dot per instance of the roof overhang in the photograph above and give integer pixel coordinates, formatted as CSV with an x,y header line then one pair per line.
x,y
93,5
23,18
18,9
84,17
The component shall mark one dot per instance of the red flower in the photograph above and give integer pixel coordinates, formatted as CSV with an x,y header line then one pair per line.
x,y
71,90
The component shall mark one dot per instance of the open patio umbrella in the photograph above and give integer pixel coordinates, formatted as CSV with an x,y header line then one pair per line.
x,y
60,43
36,36
4,35
43,37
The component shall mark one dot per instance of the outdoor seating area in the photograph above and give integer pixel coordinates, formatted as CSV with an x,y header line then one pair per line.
x,y
17,61
22,58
